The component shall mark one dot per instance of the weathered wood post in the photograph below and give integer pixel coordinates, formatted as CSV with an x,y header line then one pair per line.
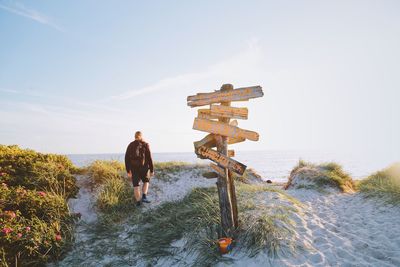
x,y
216,122
224,184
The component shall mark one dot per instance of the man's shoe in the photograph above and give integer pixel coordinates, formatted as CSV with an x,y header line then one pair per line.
x,y
138,203
145,200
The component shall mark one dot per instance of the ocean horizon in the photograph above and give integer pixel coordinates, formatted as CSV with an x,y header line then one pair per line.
x,y
270,164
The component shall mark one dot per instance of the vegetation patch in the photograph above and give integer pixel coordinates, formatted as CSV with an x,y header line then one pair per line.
x,y
36,225
167,171
102,171
384,184
327,175
193,224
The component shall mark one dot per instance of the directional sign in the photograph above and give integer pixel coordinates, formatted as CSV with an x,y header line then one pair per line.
x,y
205,114
221,159
217,169
224,129
240,94
210,142
228,112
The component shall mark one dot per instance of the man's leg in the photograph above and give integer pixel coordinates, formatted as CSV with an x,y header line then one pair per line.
x,y
136,190
145,188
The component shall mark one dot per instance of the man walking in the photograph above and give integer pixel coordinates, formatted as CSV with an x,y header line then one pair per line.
x,y
138,164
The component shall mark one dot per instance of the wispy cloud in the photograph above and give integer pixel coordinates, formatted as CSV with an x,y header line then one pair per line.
x,y
21,10
244,64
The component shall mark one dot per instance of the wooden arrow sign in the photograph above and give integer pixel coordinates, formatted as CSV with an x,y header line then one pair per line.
x,y
240,94
218,169
228,112
224,129
205,114
221,159
210,142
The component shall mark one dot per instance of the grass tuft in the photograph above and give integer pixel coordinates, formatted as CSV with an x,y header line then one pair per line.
x,y
320,176
383,184
101,171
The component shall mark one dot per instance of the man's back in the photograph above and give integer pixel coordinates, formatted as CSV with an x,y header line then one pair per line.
x,y
138,155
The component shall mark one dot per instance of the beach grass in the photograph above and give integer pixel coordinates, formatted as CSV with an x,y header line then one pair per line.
x,y
101,171
383,184
320,176
194,222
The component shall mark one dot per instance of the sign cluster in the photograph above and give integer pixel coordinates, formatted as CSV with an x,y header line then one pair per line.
x,y
216,121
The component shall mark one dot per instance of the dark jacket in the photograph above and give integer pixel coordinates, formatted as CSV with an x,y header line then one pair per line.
x,y
148,163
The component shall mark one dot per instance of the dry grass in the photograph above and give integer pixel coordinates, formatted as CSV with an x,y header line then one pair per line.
x,y
320,176
383,184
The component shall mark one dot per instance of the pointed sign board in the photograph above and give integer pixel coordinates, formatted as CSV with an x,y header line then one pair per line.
x,y
224,129
220,111
221,159
239,94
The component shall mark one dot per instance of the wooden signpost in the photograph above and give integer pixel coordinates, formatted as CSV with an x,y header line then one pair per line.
x,y
222,131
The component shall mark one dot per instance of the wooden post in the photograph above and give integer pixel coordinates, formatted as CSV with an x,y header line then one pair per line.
x,y
224,188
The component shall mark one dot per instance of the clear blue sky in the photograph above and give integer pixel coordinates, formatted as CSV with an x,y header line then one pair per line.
x,y
82,76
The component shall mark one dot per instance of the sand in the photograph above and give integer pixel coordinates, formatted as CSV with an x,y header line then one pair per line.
x,y
333,229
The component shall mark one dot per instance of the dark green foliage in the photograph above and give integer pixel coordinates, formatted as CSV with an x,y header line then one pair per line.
x,y
33,170
36,226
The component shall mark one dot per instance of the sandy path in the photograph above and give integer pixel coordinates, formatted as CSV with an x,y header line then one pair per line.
x,y
346,230
113,246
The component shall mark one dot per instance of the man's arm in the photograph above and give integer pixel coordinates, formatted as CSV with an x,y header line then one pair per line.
x,y
127,161
149,159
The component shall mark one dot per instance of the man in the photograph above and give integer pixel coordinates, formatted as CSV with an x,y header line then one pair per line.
x,y
138,163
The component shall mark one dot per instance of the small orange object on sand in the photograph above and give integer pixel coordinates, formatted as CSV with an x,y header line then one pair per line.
x,y
225,244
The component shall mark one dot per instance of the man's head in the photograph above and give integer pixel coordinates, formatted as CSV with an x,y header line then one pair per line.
x,y
138,135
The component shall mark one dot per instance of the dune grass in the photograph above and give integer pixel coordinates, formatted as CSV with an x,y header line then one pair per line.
x,y
383,184
101,171
194,223
321,176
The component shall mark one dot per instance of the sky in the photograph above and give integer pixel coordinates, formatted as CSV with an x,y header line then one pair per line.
x,y
83,76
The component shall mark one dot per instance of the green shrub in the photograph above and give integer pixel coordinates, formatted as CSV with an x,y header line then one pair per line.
x,y
33,170
36,225
384,184
321,175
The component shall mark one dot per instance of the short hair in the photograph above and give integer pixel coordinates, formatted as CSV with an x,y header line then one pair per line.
x,y
138,134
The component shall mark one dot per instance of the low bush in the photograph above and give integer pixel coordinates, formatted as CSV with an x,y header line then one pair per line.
x,y
384,184
36,225
33,170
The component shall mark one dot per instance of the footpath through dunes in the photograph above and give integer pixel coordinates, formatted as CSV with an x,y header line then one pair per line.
x,y
312,223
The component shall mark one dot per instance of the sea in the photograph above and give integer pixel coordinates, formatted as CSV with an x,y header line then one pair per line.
x,y
272,164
